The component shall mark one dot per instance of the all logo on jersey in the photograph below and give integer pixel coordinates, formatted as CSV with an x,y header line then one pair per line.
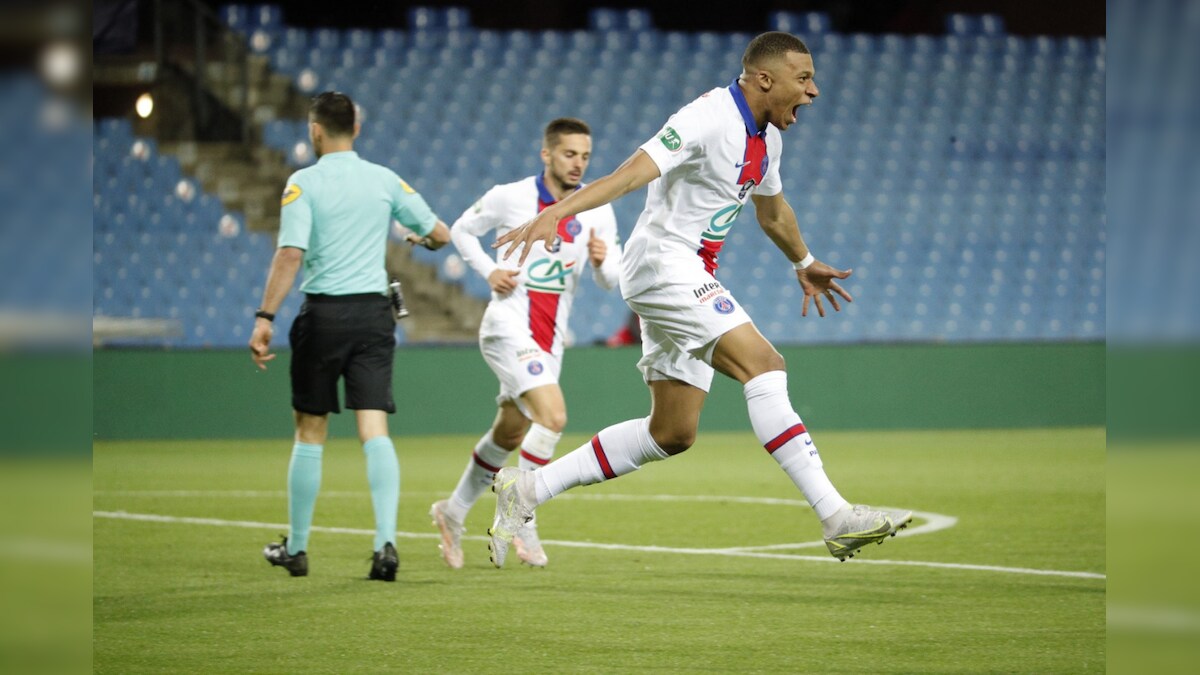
x,y
535,368
723,305
290,194
405,186
713,238
670,138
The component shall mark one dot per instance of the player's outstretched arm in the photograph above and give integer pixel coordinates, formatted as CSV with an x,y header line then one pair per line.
x,y
634,173
778,220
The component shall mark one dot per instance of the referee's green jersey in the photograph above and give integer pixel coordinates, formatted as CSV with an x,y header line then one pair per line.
x,y
339,211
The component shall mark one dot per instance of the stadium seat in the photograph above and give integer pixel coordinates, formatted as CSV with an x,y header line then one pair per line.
x,y
995,175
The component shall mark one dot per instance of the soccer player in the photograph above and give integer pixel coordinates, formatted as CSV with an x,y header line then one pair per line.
x,y
712,157
335,220
522,332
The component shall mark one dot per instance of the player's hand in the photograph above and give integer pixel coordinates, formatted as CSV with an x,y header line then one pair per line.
x,y
597,249
260,343
542,228
503,281
417,240
819,279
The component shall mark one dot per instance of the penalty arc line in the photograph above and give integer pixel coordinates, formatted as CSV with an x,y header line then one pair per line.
x,y
156,518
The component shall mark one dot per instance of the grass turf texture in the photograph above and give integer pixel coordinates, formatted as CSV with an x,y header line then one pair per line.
x,y
171,597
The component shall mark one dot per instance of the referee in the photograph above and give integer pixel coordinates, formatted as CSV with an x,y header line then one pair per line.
x,y
335,218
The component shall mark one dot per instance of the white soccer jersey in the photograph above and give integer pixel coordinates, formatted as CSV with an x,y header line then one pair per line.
x,y
541,303
711,158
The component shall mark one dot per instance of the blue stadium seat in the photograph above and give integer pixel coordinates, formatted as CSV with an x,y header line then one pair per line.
x,y
942,190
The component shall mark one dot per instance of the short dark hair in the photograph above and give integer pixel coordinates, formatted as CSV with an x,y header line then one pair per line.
x,y
334,111
771,45
563,126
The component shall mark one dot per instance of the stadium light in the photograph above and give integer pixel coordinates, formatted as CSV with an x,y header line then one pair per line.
x,y
144,105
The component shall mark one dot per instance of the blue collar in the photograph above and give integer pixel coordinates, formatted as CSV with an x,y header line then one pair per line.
x,y
543,193
743,107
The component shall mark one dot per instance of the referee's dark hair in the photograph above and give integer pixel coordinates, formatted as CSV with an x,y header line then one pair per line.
x,y
334,111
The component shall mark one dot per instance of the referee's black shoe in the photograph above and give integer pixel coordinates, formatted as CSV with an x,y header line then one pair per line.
x,y
384,564
277,554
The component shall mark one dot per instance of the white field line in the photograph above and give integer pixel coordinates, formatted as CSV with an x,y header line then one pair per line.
x,y
149,517
933,521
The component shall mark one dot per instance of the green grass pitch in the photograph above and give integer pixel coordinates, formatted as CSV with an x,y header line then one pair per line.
x,y
1008,574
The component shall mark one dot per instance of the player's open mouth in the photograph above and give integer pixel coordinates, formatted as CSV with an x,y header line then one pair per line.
x,y
795,113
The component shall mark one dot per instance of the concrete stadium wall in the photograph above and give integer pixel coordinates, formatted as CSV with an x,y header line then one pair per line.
x,y
220,394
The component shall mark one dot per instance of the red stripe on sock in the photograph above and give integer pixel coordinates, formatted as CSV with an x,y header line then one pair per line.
x,y
602,458
536,460
484,464
786,436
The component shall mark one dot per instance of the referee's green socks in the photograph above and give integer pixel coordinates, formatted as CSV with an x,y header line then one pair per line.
x,y
304,482
383,475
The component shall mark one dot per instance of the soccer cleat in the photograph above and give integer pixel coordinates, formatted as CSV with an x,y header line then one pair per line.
x,y
452,532
384,564
277,554
514,508
848,530
529,545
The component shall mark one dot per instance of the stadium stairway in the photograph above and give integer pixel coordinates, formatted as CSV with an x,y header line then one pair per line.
x,y
248,177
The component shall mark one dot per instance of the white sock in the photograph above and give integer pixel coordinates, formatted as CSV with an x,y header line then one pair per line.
x,y
613,452
477,477
537,448
783,435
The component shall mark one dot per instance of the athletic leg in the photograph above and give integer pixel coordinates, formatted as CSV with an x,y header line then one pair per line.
x,y
548,412
490,453
383,473
745,355
304,477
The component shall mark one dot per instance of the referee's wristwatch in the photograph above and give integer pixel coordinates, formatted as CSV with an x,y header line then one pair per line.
x,y
263,314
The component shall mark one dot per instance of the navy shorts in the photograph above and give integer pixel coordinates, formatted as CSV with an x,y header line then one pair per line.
x,y
343,336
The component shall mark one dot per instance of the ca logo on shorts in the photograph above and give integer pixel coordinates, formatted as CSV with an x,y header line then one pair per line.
x,y
535,367
723,305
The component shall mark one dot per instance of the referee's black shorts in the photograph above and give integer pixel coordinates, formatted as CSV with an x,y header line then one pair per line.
x,y
350,336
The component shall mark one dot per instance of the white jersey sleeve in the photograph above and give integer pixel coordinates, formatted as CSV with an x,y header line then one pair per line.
x,y
681,139
480,218
609,273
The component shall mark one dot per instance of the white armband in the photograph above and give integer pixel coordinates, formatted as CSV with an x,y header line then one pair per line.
x,y
808,260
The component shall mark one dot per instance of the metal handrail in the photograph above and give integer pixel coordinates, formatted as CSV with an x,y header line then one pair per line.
x,y
236,51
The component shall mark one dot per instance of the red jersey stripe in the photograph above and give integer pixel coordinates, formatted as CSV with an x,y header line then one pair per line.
x,y
543,316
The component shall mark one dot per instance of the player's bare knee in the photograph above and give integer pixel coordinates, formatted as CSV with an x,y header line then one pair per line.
x,y
509,440
675,441
555,421
775,361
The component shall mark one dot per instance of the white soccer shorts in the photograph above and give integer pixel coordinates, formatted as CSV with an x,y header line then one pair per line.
x,y
681,320
520,365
